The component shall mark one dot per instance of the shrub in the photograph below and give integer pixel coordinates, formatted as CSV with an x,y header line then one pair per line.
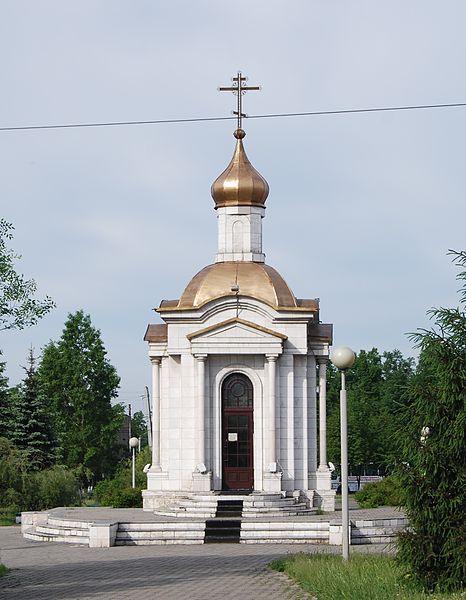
x,y
55,487
380,493
114,492
21,489
117,492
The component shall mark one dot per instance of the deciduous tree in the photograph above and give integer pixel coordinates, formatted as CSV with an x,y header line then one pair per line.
x,y
376,390
80,383
139,427
18,307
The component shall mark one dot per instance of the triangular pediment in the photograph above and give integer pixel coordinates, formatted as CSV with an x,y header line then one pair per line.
x,y
236,329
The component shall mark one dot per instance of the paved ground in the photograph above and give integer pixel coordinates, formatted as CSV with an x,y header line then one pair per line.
x,y
50,571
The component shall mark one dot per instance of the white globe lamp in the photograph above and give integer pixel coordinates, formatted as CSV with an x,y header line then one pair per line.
x,y
343,357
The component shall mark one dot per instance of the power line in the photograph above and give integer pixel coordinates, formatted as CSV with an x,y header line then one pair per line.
x,y
266,116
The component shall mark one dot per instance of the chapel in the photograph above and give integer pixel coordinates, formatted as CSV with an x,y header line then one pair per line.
x,y
239,366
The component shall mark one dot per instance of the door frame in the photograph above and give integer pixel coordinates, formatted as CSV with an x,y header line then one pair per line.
x,y
238,411
216,445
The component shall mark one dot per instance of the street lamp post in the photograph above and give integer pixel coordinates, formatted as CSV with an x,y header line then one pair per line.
x,y
133,444
343,358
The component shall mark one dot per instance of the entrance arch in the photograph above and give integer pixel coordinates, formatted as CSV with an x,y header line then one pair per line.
x,y
237,433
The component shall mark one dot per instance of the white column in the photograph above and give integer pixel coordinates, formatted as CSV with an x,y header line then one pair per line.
x,y
272,370
322,412
200,409
155,413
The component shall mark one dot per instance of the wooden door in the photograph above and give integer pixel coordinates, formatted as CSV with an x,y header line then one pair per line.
x,y
237,433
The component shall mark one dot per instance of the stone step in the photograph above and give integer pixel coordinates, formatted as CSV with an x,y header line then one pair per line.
x,y
172,526
55,521
180,534
285,526
183,514
244,498
277,504
282,541
62,531
284,512
30,534
284,535
157,542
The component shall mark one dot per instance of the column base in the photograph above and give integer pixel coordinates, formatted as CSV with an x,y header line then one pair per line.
x,y
202,482
323,478
156,479
325,500
272,482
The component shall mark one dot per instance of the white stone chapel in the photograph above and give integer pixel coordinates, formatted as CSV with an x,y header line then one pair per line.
x,y
239,368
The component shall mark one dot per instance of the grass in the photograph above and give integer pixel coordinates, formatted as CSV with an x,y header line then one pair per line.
x,y
3,570
363,577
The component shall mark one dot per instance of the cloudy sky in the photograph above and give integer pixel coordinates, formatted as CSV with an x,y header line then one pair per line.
x,y
362,209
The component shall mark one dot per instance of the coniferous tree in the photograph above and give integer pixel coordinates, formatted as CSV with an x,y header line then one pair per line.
x,y
32,429
433,451
80,383
5,410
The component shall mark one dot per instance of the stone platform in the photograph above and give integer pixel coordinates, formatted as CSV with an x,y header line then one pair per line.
x,y
105,527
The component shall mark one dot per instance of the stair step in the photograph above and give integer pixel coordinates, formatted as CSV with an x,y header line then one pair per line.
x,y
30,534
222,540
229,508
222,531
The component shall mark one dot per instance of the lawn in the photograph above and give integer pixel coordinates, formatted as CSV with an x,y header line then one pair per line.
x,y
363,577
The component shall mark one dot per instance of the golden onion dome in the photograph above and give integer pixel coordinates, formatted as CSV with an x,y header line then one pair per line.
x,y
240,184
256,280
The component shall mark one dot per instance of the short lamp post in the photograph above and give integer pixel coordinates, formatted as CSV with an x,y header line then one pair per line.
x,y
133,444
343,358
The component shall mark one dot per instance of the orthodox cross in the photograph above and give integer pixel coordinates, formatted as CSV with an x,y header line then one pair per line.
x,y
238,88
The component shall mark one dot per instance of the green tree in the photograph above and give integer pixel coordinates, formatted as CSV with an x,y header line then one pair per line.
x,y
80,383
433,450
139,427
376,390
5,411
31,429
18,307
364,382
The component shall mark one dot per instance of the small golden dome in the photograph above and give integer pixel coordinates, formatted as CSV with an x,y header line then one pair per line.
x,y
240,184
256,280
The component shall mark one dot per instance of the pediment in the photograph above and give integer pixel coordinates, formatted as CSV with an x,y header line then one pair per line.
x,y
237,329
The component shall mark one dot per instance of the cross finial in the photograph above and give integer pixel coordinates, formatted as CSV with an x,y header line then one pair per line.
x,y
238,88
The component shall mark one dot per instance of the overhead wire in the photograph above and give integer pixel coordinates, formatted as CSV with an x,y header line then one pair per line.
x,y
263,116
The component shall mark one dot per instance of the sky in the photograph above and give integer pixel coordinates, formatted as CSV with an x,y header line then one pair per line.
x,y
362,207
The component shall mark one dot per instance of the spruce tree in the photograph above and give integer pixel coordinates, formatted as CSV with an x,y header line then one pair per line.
x,y
80,383
433,451
5,411
32,429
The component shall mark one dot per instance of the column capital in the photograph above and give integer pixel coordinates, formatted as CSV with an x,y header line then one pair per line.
x,y
271,357
322,360
201,357
155,360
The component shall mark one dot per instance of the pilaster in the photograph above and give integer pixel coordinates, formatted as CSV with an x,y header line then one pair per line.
x,y
155,361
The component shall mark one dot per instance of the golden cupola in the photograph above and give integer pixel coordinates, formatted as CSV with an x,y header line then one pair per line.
x,y
240,184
